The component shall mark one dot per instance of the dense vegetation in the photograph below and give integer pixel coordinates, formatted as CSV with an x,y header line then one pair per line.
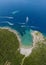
x,y
9,45
38,56
10,55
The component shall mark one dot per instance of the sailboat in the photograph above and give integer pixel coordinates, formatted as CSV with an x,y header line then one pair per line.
x,y
24,25
27,19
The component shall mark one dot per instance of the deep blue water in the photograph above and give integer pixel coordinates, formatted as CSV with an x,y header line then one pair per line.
x,y
35,10
37,20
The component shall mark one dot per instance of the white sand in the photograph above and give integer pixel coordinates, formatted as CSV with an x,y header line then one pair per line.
x,y
23,50
36,38
14,31
26,51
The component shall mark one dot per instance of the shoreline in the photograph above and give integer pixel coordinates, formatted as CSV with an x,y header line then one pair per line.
x,y
14,31
17,34
37,37
26,50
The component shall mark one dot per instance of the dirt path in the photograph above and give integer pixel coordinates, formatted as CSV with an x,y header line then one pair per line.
x,y
23,60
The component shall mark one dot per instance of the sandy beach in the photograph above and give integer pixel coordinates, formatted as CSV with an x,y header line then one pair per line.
x,y
37,36
26,50
14,31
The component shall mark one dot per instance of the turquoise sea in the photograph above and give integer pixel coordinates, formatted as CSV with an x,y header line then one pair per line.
x,y
23,16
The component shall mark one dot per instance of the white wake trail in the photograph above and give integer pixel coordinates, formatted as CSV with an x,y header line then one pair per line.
x,y
14,12
7,22
6,17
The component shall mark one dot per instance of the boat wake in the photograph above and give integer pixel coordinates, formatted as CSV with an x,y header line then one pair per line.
x,y
7,22
8,17
15,12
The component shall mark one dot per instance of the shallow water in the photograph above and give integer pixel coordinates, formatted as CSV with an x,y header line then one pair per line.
x,y
27,38
35,10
